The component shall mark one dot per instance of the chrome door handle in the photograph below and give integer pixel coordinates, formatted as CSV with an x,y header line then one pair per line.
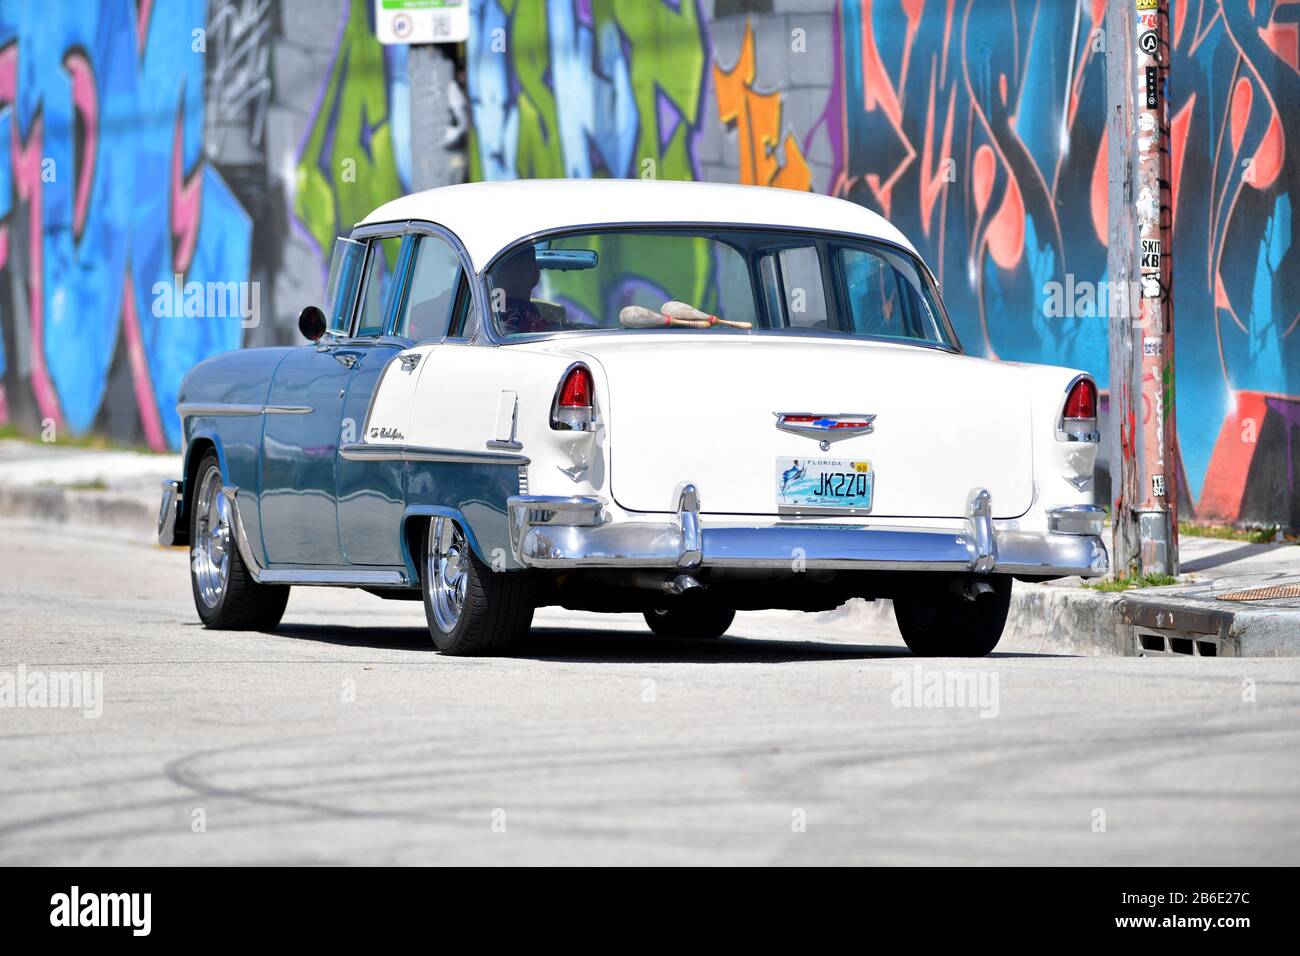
x,y
346,359
409,361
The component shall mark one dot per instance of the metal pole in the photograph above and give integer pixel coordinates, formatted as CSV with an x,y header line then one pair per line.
x,y
1144,513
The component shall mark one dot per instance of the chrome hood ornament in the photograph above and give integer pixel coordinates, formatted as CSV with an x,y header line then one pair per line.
x,y
825,427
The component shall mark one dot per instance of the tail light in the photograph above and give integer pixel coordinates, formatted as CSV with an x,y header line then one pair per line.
x,y
1079,417
572,409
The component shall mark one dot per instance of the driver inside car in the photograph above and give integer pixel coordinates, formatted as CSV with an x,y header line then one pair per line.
x,y
517,276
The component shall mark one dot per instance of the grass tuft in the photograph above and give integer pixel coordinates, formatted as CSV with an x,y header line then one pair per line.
x,y
1265,535
1153,580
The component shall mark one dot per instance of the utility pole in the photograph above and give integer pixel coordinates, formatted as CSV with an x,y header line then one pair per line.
x,y
1143,458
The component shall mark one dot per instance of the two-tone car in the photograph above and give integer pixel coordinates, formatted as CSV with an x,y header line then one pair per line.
x,y
678,399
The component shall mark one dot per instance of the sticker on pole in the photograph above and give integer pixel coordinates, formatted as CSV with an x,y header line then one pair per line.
x,y
422,21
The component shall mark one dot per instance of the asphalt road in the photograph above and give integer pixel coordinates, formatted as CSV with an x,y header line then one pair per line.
x,y
344,738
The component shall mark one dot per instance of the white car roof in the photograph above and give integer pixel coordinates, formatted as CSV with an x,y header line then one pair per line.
x,y
489,216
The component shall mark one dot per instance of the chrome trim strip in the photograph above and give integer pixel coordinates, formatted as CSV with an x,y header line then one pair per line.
x,y
246,552
365,451
230,409
193,409
341,577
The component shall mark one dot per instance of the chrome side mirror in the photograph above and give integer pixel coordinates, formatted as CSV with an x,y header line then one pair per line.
x,y
311,323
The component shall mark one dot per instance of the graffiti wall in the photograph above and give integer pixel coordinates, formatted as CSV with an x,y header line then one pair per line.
x,y
172,175
978,127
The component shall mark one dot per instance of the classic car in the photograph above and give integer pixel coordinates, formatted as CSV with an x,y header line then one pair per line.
x,y
677,399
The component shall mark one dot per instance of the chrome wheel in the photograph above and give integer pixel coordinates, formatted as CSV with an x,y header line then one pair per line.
x,y
212,540
445,572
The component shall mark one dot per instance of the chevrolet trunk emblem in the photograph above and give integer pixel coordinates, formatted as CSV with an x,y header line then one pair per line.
x,y
824,427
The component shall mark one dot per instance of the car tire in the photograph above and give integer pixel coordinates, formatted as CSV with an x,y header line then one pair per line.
x,y
471,609
690,619
225,594
951,626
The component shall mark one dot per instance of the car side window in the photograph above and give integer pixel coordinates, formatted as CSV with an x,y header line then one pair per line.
x,y
434,280
381,273
885,297
341,289
792,280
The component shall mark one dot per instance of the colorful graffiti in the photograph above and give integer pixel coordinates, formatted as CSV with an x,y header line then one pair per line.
x,y
1021,107
104,192
979,129
757,120
356,154
143,176
582,88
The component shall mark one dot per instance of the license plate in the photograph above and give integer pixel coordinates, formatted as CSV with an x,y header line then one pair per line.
x,y
824,483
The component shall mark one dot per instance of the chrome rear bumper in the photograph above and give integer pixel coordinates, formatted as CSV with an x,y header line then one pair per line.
x,y
557,533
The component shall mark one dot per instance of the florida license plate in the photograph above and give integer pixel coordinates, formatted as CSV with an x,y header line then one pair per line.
x,y
824,483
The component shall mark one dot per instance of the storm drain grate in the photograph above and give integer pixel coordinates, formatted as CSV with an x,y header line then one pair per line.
x,y
1175,644
1273,593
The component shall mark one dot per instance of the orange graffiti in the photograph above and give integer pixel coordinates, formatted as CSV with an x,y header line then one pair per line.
x,y
757,120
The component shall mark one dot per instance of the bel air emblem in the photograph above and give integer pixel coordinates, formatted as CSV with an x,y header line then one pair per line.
x,y
826,428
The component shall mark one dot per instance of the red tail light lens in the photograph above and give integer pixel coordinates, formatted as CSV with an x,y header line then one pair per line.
x,y
576,390
573,409
1082,400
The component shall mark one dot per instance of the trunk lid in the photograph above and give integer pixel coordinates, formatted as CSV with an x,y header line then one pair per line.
x,y
701,408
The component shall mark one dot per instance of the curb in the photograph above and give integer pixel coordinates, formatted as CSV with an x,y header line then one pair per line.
x,y
134,513
1065,618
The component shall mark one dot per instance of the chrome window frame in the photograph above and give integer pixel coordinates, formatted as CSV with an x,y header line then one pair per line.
x,y
411,228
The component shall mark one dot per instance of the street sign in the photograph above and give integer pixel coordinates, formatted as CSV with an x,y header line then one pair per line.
x,y
422,21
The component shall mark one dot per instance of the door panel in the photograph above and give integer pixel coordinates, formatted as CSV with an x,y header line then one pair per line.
x,y
299,523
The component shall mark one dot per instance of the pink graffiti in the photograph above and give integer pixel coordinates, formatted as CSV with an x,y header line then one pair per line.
x,y
85,99
26,162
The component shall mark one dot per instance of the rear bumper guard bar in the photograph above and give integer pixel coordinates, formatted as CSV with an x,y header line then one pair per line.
x,y
557,532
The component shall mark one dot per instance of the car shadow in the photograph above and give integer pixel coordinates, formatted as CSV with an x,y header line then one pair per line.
x,y
593,646
602,646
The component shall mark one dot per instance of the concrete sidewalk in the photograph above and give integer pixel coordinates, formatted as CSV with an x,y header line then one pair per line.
x,y
1234,599
120,490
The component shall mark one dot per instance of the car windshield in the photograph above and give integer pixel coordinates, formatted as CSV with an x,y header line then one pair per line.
x,y
726,280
